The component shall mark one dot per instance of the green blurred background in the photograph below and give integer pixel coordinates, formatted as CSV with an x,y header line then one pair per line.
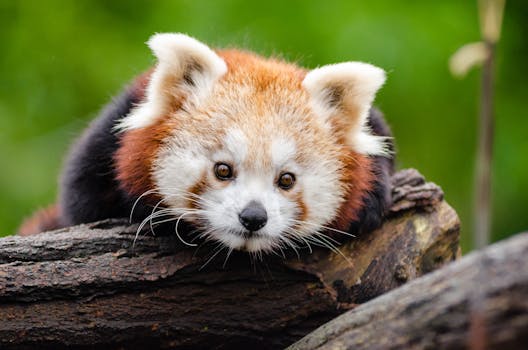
x,y
61,61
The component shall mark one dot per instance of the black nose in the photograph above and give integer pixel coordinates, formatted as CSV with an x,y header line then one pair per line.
x,y
253,216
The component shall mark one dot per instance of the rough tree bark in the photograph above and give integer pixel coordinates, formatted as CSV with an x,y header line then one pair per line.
x,y
478,302
90,287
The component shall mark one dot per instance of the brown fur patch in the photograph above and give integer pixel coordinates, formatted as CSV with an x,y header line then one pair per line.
x,y
198,188
303,208
138,148
46,219
135,158
359,178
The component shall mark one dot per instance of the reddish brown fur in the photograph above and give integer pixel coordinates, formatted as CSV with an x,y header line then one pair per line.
x,y
264,72
138,149
359,178
303,209
197,190
136,156
46,219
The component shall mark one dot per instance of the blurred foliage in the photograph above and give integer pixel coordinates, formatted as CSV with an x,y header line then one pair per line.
x,y
62,60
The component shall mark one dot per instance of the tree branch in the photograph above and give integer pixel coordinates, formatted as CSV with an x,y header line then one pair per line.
x,y
478,302
90,286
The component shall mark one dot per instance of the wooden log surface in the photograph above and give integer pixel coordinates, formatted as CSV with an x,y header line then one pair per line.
x,y
90,286
479,302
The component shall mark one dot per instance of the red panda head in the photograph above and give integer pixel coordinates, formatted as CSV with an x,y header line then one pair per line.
x,y
256,152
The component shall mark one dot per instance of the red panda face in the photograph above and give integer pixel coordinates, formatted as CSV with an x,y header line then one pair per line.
x,y
249,187
258,154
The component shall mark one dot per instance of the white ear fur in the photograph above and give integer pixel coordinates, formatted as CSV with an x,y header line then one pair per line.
x,y
186,68
345,91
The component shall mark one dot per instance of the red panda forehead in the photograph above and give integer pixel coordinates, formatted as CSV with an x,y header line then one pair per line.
x,y
257,91
263,74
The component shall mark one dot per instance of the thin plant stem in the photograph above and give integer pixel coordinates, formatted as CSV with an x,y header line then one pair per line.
x,y
485,153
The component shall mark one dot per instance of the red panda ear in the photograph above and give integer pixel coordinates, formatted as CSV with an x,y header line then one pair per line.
x,y
186,72
342,95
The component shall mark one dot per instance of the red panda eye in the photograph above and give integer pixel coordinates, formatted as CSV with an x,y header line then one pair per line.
x,y
223,171
286,181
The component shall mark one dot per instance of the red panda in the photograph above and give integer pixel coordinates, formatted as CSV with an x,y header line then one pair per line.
x,y
255,153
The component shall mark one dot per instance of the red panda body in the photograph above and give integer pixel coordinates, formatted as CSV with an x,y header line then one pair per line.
x,y
256,153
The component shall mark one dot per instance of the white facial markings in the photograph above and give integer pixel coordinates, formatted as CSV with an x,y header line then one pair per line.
x,y
237,144
176,170
233,198
321,193
283,151
184,162
223,206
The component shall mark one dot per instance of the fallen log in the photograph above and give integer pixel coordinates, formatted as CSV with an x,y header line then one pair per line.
x,y
94,286
478,302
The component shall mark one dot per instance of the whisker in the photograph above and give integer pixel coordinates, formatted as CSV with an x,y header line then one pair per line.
x,y
173,217
277,254
320,243
158,214
194,196
218,250
322,235
332,248
178,234
322,226
152,216
205,234
156,223
137,200
298,237
338,231
227,257
291,244
143,223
